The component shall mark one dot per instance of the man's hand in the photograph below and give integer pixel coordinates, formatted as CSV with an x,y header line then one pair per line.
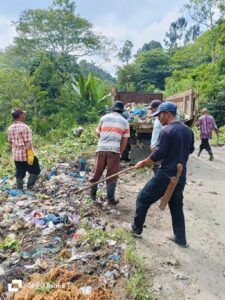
x,y
143,163
140,165
30,157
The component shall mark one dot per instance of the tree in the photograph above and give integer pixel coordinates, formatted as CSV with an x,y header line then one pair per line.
x,y
154,67
207,13
152,45
87,67
125,52
56,29
16,89
128,77
174,36
192,33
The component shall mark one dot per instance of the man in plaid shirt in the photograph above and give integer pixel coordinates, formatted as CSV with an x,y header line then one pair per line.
x,y
206,124
20,138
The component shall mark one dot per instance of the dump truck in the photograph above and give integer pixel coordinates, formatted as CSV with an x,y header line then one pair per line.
x,y
138,147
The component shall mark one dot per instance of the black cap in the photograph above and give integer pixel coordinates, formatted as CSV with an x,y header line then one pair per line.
x,y
155,103
118,106
16,112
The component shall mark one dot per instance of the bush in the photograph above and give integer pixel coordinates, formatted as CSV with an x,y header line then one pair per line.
x,y
217,107
3,142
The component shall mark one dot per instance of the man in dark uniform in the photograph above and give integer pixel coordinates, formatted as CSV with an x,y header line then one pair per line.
x,y
175,143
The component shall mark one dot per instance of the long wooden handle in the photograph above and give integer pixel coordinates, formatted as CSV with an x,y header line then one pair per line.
x,y
105,179
171,187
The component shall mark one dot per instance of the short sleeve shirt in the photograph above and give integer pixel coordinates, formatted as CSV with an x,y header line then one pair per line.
x,y
206,124
176,142
18,135
157,128
112,128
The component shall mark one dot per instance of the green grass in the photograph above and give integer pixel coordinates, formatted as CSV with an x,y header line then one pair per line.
x,y
138,284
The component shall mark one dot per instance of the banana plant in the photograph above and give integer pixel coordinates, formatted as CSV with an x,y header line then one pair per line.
x,y
90,90
91,94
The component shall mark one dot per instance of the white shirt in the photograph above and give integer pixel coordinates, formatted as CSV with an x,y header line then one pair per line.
x,y
157,128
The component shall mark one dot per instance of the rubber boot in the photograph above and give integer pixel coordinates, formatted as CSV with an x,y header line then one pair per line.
x,y
31,181
93,192
211,157
19,183
111,188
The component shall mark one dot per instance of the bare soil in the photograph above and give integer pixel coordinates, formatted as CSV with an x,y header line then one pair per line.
x,y
197,272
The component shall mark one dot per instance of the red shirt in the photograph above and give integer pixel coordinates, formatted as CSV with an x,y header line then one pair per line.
x,y
18,135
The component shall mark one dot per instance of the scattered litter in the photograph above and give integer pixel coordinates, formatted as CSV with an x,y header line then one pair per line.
x,y
54,227
81,256
114,257
15,193
86,290
111,243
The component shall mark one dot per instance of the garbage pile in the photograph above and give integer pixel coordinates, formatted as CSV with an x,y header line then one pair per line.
x,y
137,113
50,236
140,113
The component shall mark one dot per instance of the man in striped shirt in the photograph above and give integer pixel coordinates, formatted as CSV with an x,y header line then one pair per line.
x,y
113,132
20,138
206,124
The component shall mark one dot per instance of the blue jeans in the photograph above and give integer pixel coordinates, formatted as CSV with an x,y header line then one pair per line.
x,y
153,190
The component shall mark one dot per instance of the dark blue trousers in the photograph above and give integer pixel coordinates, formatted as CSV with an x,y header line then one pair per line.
x,y
153,190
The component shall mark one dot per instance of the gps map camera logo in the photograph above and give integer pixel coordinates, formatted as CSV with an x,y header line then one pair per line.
x,y
15,285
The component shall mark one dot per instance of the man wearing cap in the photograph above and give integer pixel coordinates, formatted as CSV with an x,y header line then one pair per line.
x,y
157,128
113,132
20,138
176,142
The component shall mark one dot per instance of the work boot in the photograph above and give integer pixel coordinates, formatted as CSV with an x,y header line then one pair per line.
x,y
94,189
111,188
19,183
31,181
211,157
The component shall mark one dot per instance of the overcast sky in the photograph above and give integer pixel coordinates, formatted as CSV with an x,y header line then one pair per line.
x,y
137,20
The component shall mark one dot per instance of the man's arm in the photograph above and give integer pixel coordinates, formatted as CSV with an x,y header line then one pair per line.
x,y
27,138
123,144
98,129
28,145
124,139
144,163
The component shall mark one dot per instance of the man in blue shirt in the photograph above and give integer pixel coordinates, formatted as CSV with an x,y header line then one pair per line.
x,y
175,143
